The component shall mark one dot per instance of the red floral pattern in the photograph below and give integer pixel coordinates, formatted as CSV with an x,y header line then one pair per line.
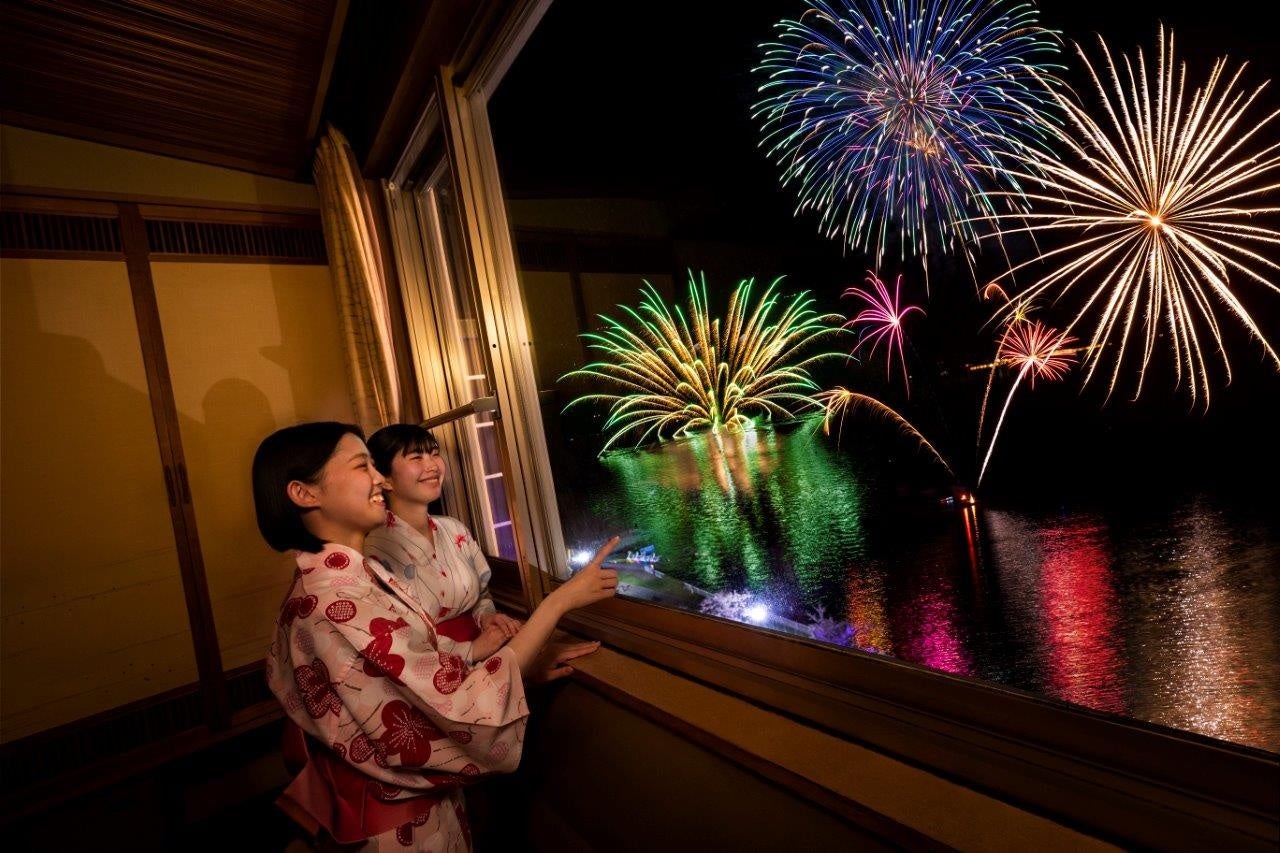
x,y
378,659
404,832
302,606
340,611
460,540
317,692
305,642
448,677
386,626
386,792
394,732
408,733
364,747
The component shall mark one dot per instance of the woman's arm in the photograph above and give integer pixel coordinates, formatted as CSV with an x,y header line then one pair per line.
x,y
591,584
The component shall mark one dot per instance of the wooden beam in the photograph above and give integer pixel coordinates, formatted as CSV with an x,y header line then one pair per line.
x,y
17,190
437,40
134,142
164,411
326,69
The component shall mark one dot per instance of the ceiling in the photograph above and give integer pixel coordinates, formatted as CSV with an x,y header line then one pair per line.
x,y
238,83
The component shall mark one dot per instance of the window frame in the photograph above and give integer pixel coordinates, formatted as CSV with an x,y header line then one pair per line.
x,y
429,288
1117,778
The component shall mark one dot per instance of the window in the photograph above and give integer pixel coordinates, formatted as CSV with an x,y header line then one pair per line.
x,y
651,175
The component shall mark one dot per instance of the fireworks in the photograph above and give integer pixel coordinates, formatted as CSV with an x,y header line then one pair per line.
x,y
1162,200
881,321
1037,351
1018,312
840,401
898,117
675,372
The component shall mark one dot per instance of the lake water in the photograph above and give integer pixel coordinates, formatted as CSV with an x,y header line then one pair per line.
x,y
1156,604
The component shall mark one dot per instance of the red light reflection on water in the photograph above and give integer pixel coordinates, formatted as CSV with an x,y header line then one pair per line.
x,y
937,643
928,625
1082,659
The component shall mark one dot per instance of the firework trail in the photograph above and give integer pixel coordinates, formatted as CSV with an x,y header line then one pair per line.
x,y
839,401
1019,313
1037,351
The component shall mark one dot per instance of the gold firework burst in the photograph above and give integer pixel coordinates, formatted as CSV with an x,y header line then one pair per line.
x,y
1163,199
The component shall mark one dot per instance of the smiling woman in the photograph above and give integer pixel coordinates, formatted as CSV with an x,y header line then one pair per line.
x,y
437,559
387,721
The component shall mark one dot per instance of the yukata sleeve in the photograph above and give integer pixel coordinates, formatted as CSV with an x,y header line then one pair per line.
x,y
421,707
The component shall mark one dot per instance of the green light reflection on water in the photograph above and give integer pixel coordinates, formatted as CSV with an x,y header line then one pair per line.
x,y
740,509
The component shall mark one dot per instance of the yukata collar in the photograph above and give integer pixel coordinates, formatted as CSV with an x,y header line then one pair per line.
x,y
346,560
333,557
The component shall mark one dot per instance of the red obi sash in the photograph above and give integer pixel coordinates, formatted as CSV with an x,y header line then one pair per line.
x,y
332,794
460,629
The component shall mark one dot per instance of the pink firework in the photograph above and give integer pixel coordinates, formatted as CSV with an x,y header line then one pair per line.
x,y
1037,351
881,321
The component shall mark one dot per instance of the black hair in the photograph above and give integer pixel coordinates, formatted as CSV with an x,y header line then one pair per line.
x,y
392,440
293,453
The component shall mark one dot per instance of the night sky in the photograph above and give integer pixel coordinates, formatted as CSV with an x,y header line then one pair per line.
x,y
657,106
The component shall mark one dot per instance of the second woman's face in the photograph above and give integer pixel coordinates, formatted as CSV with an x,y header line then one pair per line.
x,y
350,488
418,476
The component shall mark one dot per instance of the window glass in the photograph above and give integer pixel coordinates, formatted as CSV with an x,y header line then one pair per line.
x,y
1111,557
464,330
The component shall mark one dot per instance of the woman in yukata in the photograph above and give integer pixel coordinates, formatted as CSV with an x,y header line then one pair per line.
x,y
384,722
436,558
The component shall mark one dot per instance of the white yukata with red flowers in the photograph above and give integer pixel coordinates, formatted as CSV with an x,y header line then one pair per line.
x,y
356,664
449,578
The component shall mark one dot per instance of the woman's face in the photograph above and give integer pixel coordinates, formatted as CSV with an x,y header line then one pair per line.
x,y
349,490
418,477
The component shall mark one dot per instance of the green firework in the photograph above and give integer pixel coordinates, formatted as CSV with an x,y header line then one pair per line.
x,y
671,371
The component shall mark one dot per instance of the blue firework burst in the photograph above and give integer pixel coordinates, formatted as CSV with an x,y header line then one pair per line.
x,y
894,119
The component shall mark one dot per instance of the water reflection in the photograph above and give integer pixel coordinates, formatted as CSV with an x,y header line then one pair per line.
x,y
1059,574
1164,611
1208,618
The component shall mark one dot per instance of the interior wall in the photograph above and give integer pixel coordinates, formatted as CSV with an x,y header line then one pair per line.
x,y
91,593
91,596
251,348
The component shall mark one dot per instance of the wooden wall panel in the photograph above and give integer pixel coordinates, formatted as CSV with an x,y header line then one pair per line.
x,y
90,587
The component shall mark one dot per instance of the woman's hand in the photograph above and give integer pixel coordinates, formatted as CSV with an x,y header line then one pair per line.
x,y
553,661
504,623
588,586
592,583
490,640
